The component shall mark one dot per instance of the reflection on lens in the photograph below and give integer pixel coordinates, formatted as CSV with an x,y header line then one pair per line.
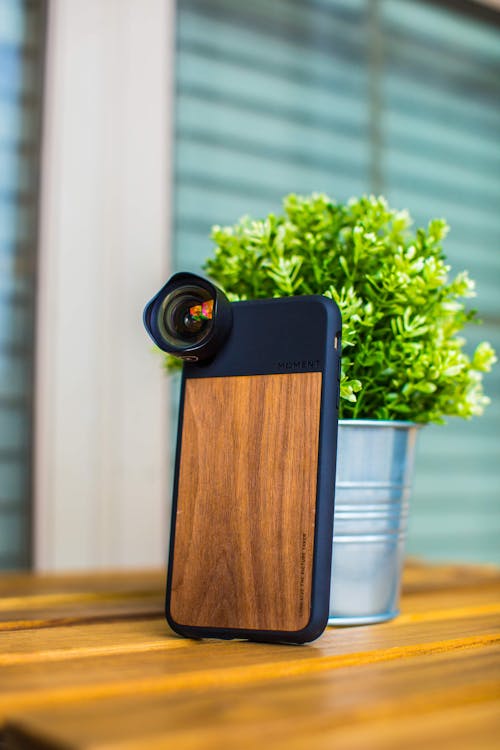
x,y
186,316
202,312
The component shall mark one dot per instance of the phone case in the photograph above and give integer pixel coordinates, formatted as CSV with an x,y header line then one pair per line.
x,y
252,515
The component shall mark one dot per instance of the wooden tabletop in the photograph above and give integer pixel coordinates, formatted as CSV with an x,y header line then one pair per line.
x,y
87,661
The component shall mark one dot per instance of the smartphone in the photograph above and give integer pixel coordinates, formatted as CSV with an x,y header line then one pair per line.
x,y
253,499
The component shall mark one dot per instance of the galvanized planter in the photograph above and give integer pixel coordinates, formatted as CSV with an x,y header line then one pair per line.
x,y
374,474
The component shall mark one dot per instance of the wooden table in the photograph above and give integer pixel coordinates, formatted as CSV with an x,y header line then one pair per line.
x,y
87,661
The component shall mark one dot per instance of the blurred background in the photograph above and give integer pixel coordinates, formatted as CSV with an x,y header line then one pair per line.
x,y
129,127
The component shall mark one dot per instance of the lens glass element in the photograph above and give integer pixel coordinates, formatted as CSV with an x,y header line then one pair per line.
x,y
186,316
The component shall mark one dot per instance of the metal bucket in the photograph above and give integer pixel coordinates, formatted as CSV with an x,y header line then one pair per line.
x,y
374,473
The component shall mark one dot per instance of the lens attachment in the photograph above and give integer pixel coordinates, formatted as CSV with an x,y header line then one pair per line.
x,y
189,318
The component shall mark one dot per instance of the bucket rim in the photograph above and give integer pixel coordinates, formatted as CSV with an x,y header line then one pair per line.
x,y
398,424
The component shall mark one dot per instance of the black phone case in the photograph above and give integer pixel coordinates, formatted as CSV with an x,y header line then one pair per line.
x,y
253,500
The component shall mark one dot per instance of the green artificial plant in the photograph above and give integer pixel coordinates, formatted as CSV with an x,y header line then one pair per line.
x,y
403,357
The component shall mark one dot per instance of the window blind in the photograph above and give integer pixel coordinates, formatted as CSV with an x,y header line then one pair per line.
x,y
271,98
353,97
21,48
440,123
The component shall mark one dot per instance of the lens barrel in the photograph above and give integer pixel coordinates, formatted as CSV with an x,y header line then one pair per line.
x,y
189,318
177,319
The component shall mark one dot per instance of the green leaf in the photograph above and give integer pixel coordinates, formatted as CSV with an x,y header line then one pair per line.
x,y
402,316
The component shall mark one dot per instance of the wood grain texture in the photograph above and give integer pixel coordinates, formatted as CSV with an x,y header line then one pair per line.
x,y
428,678
246,504
45,601
306,707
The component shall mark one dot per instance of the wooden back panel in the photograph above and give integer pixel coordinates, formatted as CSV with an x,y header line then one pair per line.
x,y
244,534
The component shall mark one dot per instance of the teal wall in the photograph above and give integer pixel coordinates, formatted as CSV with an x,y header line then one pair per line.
x,y
22,31
352,97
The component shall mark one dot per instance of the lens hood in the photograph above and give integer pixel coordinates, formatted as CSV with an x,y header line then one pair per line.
x,y
211,336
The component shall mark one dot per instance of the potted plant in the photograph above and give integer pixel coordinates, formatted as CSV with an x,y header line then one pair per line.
x,y
403,362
